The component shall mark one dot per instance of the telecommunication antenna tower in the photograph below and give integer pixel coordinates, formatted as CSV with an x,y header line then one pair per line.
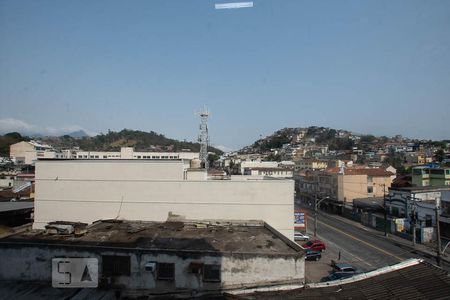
x,y
203,137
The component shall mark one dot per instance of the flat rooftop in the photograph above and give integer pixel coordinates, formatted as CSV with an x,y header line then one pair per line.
x,y
7,206
254,237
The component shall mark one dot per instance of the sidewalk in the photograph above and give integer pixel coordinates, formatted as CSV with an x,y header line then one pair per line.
x,y
419,248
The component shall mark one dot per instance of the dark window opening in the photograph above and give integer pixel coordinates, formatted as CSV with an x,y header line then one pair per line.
x,y
115,265
211,273
195,267
165,271
428,221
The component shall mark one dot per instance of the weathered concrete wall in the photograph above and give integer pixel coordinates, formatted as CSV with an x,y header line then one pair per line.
x,y
87,191
34,263
235,271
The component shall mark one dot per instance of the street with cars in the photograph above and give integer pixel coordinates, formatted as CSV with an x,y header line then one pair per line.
x,y
347,248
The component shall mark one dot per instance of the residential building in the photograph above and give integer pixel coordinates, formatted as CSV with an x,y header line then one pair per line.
x,y
430,176
258,164
27,152
277,172
6,181
151,190
343,185
185,258
311,164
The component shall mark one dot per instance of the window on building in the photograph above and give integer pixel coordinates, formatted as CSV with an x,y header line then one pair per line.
x,y
211,273
165,271
114,265
370,189
104,156
437,171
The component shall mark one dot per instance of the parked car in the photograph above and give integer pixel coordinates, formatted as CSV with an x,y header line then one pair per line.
x,y
298,236
312,254
343,267
337,276
315,245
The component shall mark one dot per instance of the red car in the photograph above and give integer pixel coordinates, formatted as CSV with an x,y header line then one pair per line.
x,y
315,245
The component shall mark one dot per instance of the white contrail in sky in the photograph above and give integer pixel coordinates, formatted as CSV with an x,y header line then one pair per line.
x,y
234,5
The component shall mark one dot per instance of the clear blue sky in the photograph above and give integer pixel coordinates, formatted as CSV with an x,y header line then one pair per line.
x,y
380,67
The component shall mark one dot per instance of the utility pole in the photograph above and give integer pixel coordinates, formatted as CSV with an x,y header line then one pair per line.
x,y
413,219
316,205
438,236
385,209
315,216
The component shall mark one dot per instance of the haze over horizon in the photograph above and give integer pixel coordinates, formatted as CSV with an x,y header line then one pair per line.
x,y
378,67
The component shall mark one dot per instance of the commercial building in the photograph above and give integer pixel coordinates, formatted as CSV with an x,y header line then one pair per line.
x,y
190,258
129,153
417,205
153,190
28,152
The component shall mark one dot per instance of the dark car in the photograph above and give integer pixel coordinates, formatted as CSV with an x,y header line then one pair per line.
x,y
312,254
343,267
337,276
315,245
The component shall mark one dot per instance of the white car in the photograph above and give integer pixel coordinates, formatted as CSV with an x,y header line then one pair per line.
x,y
298,236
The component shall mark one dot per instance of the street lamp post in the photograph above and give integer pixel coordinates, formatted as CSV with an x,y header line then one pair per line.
x,y
385,209
316,204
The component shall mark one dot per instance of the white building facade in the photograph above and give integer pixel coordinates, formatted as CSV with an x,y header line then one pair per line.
x,y
151,190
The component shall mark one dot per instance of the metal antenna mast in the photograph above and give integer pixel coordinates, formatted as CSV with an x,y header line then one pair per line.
x,y
203,138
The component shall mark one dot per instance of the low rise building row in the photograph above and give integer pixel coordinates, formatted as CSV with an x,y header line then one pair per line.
x,y
28,152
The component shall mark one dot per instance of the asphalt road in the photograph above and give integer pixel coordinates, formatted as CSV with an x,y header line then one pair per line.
x,y
364,248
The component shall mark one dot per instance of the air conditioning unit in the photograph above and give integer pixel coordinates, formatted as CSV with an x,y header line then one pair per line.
x,y
150,266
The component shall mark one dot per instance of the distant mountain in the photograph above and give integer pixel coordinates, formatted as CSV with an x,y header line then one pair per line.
x,y
78,134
